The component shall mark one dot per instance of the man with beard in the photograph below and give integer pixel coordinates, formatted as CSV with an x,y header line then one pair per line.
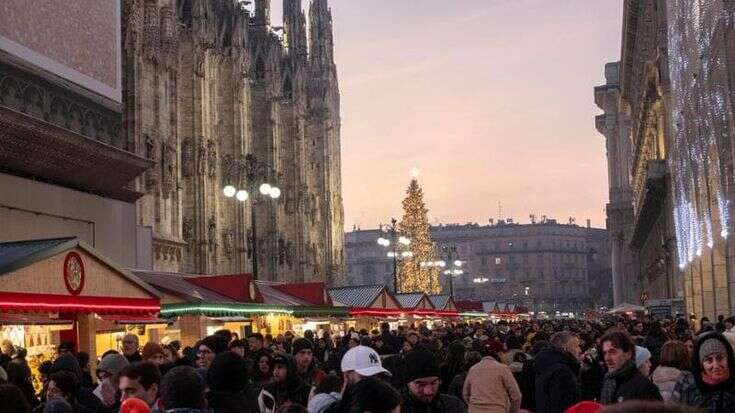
x,y
422,386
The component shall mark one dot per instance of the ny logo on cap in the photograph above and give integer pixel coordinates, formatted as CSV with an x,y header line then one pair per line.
x,y
373,358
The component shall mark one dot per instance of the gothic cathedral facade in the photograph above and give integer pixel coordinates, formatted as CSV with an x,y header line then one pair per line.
x,y
216,96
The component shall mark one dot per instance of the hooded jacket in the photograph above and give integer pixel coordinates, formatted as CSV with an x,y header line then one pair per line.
x,y
293,390
696,393
665,378
556,387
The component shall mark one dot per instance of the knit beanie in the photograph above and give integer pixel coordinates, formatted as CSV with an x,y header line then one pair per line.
x,y
420,363
67,362
228,372
113,363
710,346
301,344
641,356
151,349
217,344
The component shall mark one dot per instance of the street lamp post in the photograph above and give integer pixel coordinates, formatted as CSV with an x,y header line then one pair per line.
x,y
254,171
395,242
449,259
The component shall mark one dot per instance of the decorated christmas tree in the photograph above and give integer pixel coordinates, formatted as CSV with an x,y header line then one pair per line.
x,y
413,277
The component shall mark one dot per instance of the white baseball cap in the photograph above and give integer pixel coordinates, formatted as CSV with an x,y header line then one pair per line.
x,y
364,361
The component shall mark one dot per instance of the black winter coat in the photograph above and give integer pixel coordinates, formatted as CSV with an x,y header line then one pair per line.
x,y
443,403
526,380
591,375
557,386
228,402
634,386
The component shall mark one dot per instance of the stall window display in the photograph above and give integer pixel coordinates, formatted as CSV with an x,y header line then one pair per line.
x,y
38,340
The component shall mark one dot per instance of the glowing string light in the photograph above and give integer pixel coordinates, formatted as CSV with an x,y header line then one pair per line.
x,y
700,119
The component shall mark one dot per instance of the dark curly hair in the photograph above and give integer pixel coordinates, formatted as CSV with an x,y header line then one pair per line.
x,y
182,388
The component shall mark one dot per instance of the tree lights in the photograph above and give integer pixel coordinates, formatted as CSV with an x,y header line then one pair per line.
x,y
415,224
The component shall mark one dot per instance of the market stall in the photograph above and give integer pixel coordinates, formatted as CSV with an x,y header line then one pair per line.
x,y
56,290
197,305
313,307
369,305
417,308
471,311
197,320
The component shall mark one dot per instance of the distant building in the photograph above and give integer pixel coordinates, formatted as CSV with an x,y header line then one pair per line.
x,y
545,266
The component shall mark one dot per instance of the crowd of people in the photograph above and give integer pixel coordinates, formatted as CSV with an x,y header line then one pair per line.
x,y
549,366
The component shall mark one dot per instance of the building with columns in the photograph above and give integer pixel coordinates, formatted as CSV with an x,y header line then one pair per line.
x,y
614,126
668,125
543,265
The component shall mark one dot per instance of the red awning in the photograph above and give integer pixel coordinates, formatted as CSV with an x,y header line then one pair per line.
x,y
435,313
51,303
376,312
397,312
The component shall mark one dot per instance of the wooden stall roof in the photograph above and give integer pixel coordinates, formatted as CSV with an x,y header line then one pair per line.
x,y
17,255
443,302
176,285
414,300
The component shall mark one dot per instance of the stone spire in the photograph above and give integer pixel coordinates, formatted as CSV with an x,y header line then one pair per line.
x,y
294,23
322,41
263,12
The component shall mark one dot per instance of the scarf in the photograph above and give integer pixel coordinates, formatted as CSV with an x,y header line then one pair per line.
x,y
714,380
610,383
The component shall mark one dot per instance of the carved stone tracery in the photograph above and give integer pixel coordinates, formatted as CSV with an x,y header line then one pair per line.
x,y
194,75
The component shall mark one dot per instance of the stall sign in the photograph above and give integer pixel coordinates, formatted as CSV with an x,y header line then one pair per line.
x,y
74,273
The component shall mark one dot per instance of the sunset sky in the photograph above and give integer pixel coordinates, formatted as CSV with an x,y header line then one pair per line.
x,y
492,100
